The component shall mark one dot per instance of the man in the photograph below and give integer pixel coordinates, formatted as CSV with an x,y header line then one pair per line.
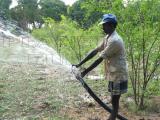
x,y
113,52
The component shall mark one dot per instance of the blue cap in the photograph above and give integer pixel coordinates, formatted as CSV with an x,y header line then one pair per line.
x,y
108,18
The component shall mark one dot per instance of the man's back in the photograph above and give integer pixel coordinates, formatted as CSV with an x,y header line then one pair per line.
x,y
114,54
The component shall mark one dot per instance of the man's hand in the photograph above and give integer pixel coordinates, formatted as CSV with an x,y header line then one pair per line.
x,y
92,66
83,73
76,65
88,57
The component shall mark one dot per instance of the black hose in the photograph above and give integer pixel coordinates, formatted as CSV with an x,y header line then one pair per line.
x,y
95,97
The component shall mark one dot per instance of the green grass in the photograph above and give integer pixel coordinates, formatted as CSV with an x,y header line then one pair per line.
x,y
24,96
98,86
150,105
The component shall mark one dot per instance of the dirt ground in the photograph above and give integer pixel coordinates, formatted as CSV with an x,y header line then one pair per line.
x,y
95,112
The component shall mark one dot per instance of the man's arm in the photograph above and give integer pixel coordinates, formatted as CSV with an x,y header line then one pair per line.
x,y
88,57
92,66
92,54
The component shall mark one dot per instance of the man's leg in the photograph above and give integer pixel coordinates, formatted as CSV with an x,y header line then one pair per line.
x,y
115,106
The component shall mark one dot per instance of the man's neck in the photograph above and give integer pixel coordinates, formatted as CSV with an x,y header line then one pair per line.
x,y
109,34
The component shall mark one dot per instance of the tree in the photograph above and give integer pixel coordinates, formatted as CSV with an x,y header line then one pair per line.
x,y
76,13
81,16
142,33
33,11
25,13
4,8
67,38
53,9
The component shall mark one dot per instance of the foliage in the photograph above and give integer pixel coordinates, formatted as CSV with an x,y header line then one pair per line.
x,y
81,16
53,9
25,13
4,8
76,13
32,12
142,37
67,38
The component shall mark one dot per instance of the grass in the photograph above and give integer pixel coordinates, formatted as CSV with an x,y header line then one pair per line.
x,y
98,86
152,96
151,105
25,94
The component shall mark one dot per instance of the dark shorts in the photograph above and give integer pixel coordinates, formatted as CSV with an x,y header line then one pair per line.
x,y
117,88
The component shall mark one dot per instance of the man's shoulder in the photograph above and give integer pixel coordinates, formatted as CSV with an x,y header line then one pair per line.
x,y
116,36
